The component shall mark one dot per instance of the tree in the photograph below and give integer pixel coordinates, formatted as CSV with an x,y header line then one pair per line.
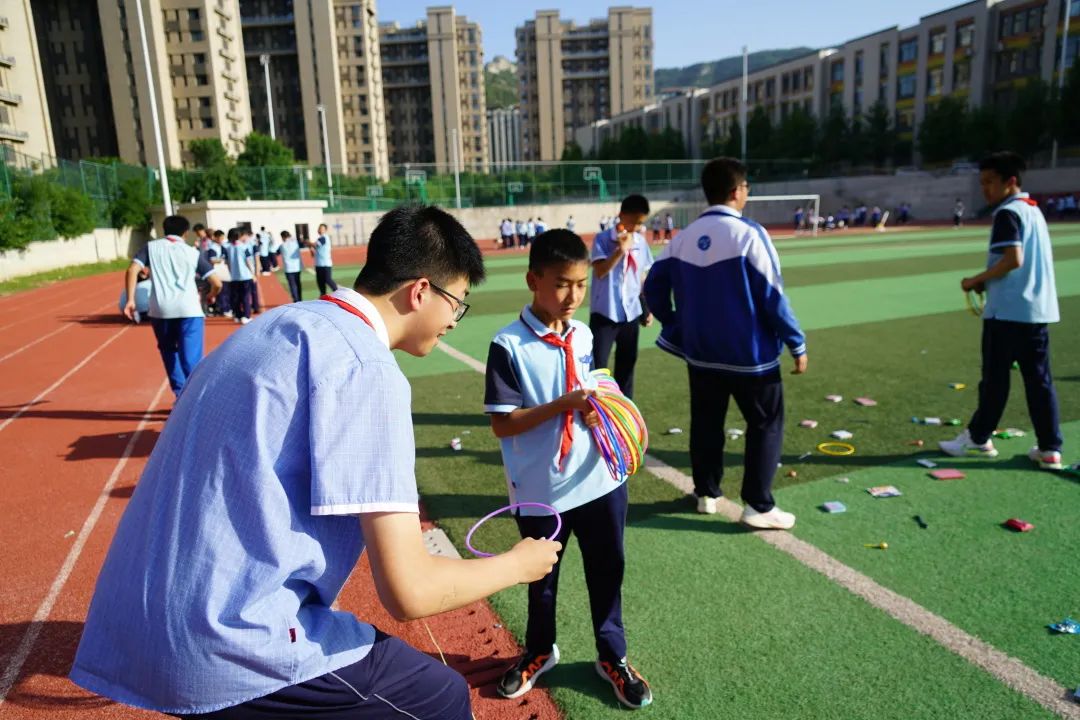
x,y
218,179
796,135
834,134
733,144
1027,124
880,134
759,131
208,153
1069,105
982,132
264,151
131,207
937,136
572,152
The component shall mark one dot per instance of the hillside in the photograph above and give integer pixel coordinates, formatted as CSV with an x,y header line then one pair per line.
x,y
716,71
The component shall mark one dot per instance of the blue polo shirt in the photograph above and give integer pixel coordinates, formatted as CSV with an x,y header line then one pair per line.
x,y
617,295
290,255
173,265
322,252
237,254
523,371
1027,294
220,582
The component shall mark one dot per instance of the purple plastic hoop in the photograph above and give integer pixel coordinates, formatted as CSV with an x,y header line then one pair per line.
x,y
514,506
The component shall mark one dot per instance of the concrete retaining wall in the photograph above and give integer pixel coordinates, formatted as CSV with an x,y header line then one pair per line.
x,y
99,246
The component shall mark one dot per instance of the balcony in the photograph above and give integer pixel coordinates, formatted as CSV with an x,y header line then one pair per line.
x,y
10,133
9,97
266,21
3,22
7,60
220,10
399,62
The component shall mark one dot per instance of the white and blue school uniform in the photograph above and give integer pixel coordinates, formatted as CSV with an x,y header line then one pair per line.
x,y
1019,306
291,258
324,265
242,286
718,293
524,371
220,583
174,306
615,306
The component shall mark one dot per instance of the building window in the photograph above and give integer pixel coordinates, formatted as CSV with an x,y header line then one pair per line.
x,y
883,60
909,50
207,122
961,75
935,80
905,87
197,36
836,72
937,42
859,67
965,35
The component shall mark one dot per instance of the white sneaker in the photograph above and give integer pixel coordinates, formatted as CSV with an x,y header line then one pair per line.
x,y
1048,460
963,446
775,519
227,313
245,321
706,505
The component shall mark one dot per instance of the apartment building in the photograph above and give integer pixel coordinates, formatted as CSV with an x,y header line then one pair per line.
x,y
983,51
433,90
24,109
570,76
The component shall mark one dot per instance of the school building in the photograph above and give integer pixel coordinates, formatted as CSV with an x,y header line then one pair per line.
x,y
983,51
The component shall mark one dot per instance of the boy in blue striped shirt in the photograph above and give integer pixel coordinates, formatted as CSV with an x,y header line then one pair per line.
x,y
1021,302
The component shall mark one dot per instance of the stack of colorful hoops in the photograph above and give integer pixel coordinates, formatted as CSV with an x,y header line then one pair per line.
x,y
621,436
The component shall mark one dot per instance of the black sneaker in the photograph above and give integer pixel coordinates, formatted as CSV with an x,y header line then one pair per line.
x,y
520,679
630,688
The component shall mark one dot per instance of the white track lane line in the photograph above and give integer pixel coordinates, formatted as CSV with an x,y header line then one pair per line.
x,y
1006,669
46,336
66,375
26,645
52,309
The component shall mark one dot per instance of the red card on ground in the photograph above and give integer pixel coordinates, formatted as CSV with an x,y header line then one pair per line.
x,y
947,474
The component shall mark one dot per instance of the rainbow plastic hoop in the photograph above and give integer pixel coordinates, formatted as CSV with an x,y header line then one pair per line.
x,y
836,449
976,302
621,435
514,506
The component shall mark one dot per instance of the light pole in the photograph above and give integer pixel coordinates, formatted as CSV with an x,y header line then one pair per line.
x,y
1061,74
154,113
326,151
456,160
745,98
264,60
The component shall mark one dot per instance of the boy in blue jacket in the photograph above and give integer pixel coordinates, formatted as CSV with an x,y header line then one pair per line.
x,y
729,322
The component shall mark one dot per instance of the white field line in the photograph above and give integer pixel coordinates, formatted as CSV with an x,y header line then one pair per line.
x,y
1008,670
46,336
33,630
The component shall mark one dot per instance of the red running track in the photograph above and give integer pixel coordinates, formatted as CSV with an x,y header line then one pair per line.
x,y
82,402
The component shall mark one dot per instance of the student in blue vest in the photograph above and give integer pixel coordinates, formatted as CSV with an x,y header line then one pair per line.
x,y
216,255
175,310
718,292
620,260
537,391
1021,301
290,257
217,598
324,263
241,258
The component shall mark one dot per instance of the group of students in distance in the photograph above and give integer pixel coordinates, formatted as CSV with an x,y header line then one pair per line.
x,y
217,597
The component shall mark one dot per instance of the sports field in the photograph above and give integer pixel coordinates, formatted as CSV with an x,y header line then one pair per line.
x,y
724,625
949,621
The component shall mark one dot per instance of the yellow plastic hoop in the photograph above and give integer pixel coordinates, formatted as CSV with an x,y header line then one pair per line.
x,y
975,302
836,449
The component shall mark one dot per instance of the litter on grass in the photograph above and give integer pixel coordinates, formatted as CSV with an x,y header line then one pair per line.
x,y
805,455
922,523
811,424
834,398
957,386
674,431
843,480
834,506
1068,626
841,434
865,401
455,444
947,474
734,433
884,491
1009,433
926,463
1018,525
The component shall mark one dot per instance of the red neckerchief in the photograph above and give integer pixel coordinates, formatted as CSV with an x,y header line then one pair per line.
x,y
567,347
631,263
348,308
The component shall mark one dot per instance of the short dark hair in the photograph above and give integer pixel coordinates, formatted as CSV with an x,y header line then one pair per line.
x,y
198,226
556,247
234,234
175,225
635,204
1006,164
286,233
219,233
415,241
720,177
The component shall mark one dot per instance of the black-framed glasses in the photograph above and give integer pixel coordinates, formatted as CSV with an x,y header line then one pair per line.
x,y
460,306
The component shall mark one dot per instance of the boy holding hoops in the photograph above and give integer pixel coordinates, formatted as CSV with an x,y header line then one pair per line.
x,y
216,599
537,394
1021,300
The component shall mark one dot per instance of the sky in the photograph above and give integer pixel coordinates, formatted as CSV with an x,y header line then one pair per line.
x,y
692,31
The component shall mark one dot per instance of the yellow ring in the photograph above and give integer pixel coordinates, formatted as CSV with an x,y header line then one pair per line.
x,y
836,449
975,303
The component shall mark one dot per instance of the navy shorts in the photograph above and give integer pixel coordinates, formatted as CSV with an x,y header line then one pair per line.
x,y
394,682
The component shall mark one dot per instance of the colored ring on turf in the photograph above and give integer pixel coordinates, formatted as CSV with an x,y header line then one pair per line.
x,y
513,506
975,303
836,449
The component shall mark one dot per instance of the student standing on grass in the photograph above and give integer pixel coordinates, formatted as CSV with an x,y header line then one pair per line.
x,y
217,597
620,260
1021,300
241,259
537,391
176,312
324,263
730,321
291,259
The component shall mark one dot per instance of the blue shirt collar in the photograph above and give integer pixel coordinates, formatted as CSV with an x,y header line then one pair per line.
x,y
721,210
533,323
